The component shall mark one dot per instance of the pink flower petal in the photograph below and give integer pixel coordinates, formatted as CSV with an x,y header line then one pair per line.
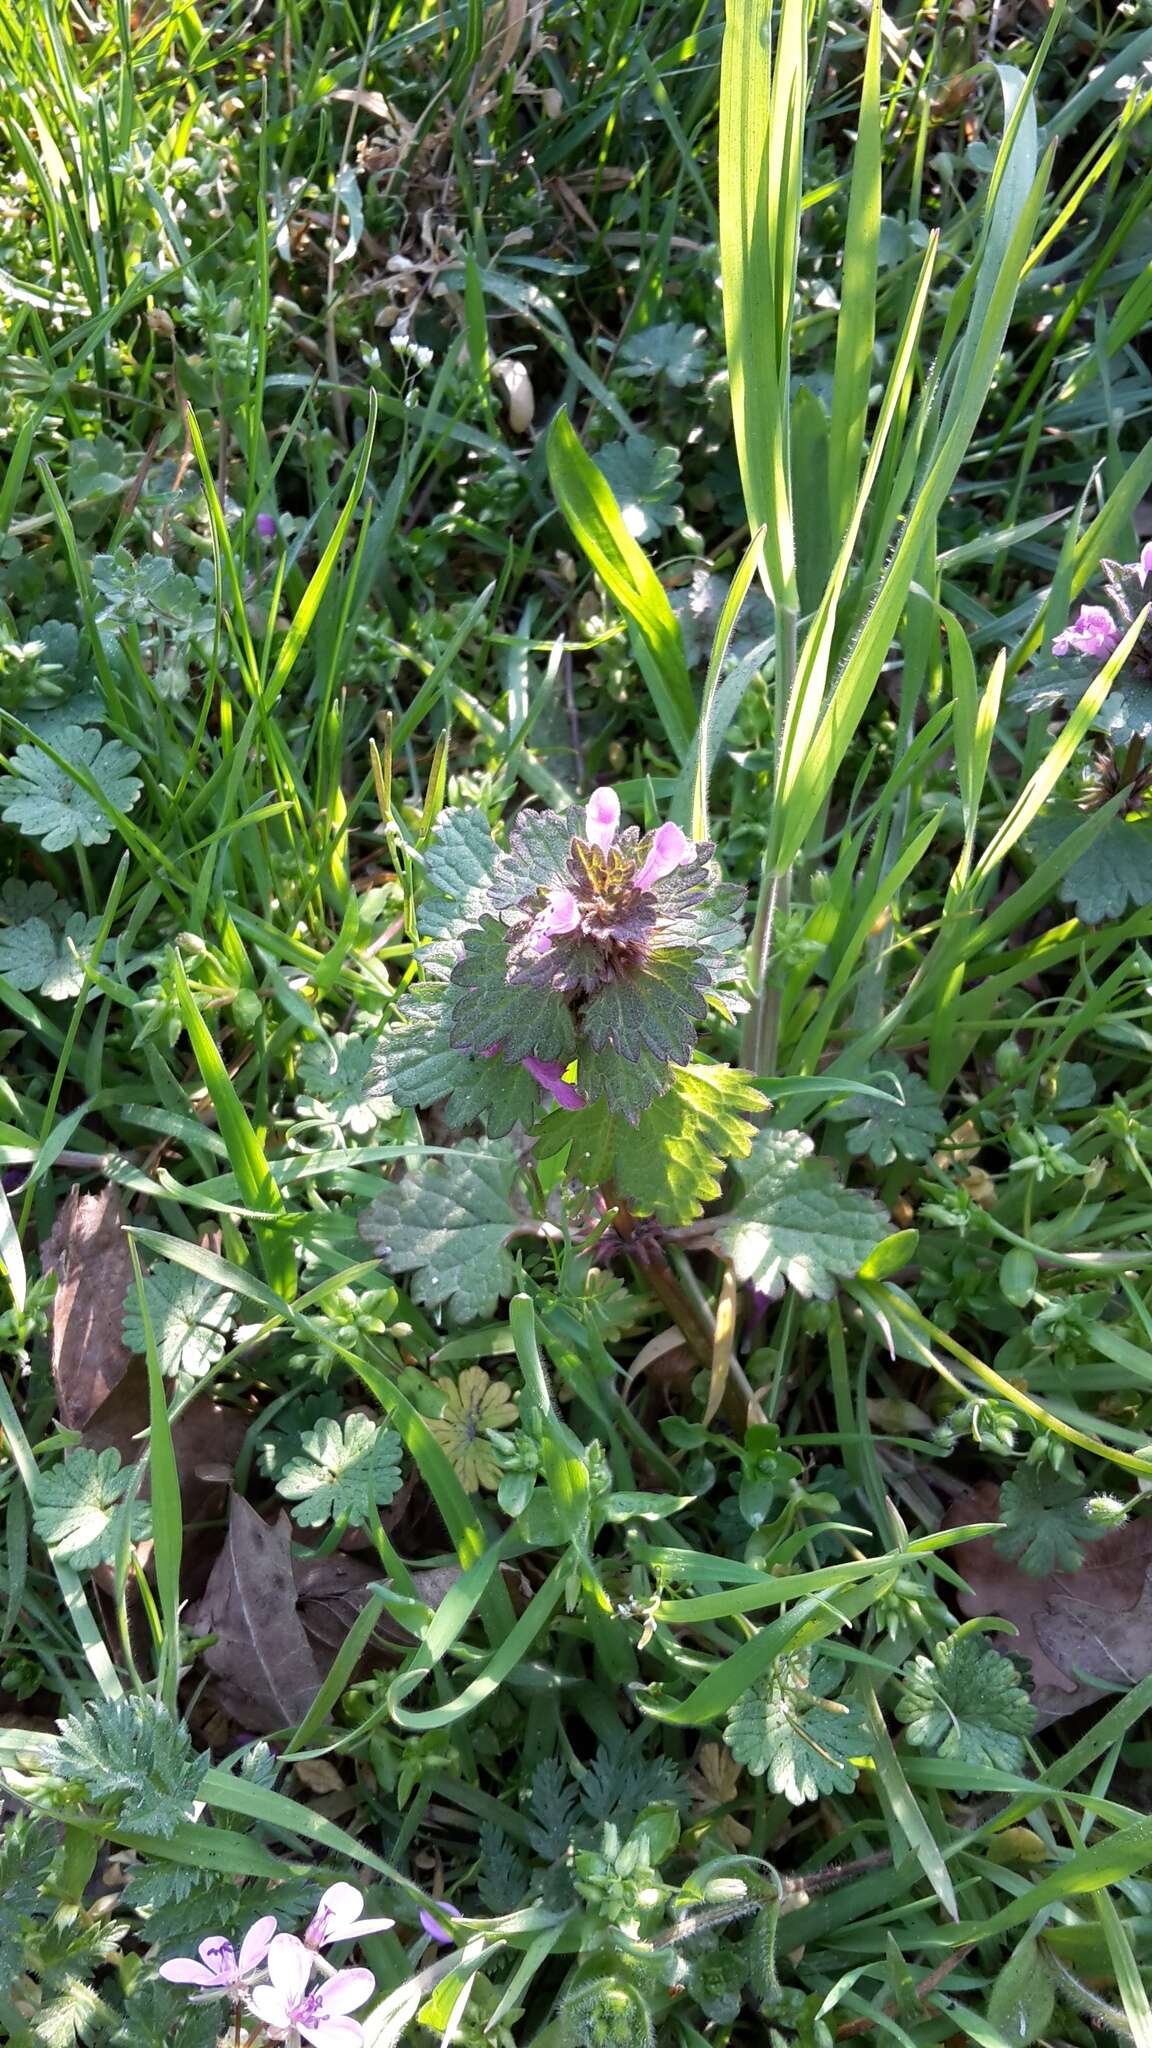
x,y
431,1925
345,1991
183,1970
602,818
1144,565
358,1928
562,913
289,1966
330,2032
670,849
341,1903
270,2005
550,1074
1093,632
256,1944
219,1956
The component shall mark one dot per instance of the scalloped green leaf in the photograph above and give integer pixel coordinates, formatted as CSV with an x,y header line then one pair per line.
x,y
796,1223
448,1222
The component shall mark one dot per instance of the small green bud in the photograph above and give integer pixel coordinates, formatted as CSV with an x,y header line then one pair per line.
x,y
606,2014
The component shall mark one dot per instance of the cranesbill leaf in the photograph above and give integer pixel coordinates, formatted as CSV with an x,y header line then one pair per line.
x,y
48,950
44,802
458,863
1048,1520
345,1472
966,1701
668,348
1114,873
644,479
416,1065
190,1319
905,1129
449,1222
787,1729
336,1076
77,1508
796,1222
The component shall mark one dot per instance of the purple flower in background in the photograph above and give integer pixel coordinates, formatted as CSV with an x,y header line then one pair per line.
x,y
550,1074
266,525
432,1927
220,1971
1093,632
337,1918
295,2013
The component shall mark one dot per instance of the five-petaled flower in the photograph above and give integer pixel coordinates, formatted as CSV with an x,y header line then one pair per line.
x,y
293,2011
220,1972
337,1918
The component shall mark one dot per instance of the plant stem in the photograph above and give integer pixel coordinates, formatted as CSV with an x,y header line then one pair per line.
x,y
651,1264
762,1027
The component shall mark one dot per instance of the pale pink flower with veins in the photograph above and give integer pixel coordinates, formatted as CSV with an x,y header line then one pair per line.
x,y
337,1918
1143,567
294,2012
220,1971
1093,632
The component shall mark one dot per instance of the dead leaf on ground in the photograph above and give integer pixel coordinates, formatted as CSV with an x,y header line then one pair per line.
x,y
88,1252
1097,1620
331,1592
262,1660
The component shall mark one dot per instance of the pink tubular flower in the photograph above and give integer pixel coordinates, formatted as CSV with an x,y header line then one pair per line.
x,y
602,818
220,1971
432,1926
670,849
1093,632
550,1074
561,913
1143,567
337,1918
295,2013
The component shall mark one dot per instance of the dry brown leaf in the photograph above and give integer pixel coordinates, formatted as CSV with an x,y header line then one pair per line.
x,y
1096,1621
318,1774
88,1252
332,1590
265,1669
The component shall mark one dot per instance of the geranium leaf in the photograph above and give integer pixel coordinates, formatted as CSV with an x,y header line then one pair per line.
x,y
668,348
335,1074
190,1319
1125,714
77,1508
44,802
796,1222
345,1471
787,1729
1048,1520
448,1222
907,1128
966,1701
644,479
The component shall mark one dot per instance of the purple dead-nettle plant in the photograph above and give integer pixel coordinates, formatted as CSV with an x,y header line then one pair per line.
x,y
1080,651
575,966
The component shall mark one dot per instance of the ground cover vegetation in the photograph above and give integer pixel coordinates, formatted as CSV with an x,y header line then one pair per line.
x,y
576,989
